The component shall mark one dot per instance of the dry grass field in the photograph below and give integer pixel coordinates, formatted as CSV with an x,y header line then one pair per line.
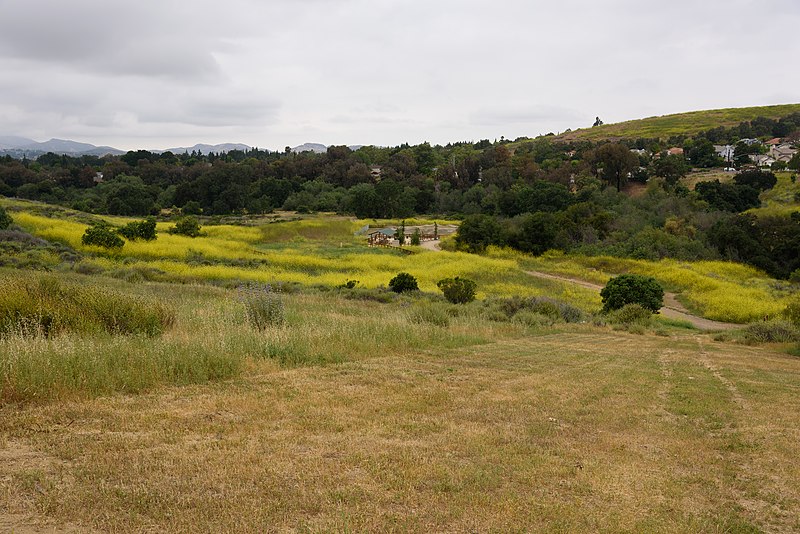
x,y
577,430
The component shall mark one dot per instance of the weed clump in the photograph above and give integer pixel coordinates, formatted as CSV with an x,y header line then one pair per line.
x,y
773,331
43,305
632,314
381,295
430,312
263,306
555,310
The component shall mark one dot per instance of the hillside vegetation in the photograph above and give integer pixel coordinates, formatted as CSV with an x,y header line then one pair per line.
x,y
206,343
321,250
687,124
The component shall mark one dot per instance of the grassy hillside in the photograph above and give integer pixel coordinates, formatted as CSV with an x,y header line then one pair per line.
x,y
689,123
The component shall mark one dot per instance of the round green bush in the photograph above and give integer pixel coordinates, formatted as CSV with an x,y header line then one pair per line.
x,y
145,230
458,290
102,236
632,289
403,282
187,226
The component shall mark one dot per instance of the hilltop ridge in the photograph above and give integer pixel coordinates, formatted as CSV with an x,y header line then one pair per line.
x,y
687,123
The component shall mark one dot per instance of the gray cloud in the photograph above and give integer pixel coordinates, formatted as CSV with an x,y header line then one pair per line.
x,y
378,71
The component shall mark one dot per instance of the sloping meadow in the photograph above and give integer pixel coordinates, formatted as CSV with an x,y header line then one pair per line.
x,y
323,251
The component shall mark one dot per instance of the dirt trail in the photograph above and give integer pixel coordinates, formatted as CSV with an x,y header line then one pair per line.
x,y
432,245
672,308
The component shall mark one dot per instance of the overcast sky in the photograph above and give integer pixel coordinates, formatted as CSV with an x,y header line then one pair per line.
x,y
271,73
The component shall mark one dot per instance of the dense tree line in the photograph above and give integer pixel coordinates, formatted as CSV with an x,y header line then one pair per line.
x,y
530,194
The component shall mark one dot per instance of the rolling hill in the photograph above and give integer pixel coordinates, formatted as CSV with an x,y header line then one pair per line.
x,y
689,123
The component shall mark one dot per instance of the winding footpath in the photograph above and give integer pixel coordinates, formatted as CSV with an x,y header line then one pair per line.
x,y
672,308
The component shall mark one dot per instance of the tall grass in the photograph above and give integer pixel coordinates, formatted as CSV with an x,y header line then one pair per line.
x,y
211,339
43,305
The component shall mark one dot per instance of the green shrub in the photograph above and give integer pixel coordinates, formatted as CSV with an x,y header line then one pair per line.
x,y
145,230
192,208
774,331
187,226
403,282
632,289
553,308
263,306
350,284
5,219
102,235
632,314
43,305
376,295
458,290
415,237
545,307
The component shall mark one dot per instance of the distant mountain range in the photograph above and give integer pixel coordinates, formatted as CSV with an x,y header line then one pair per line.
x,y
19,147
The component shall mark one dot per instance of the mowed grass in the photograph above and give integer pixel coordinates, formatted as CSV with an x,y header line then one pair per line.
x,y
581,431
690,123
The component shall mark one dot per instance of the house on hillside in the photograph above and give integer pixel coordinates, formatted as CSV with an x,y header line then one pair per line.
x,y
773,142
762,160
724,151
675,151
783,152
